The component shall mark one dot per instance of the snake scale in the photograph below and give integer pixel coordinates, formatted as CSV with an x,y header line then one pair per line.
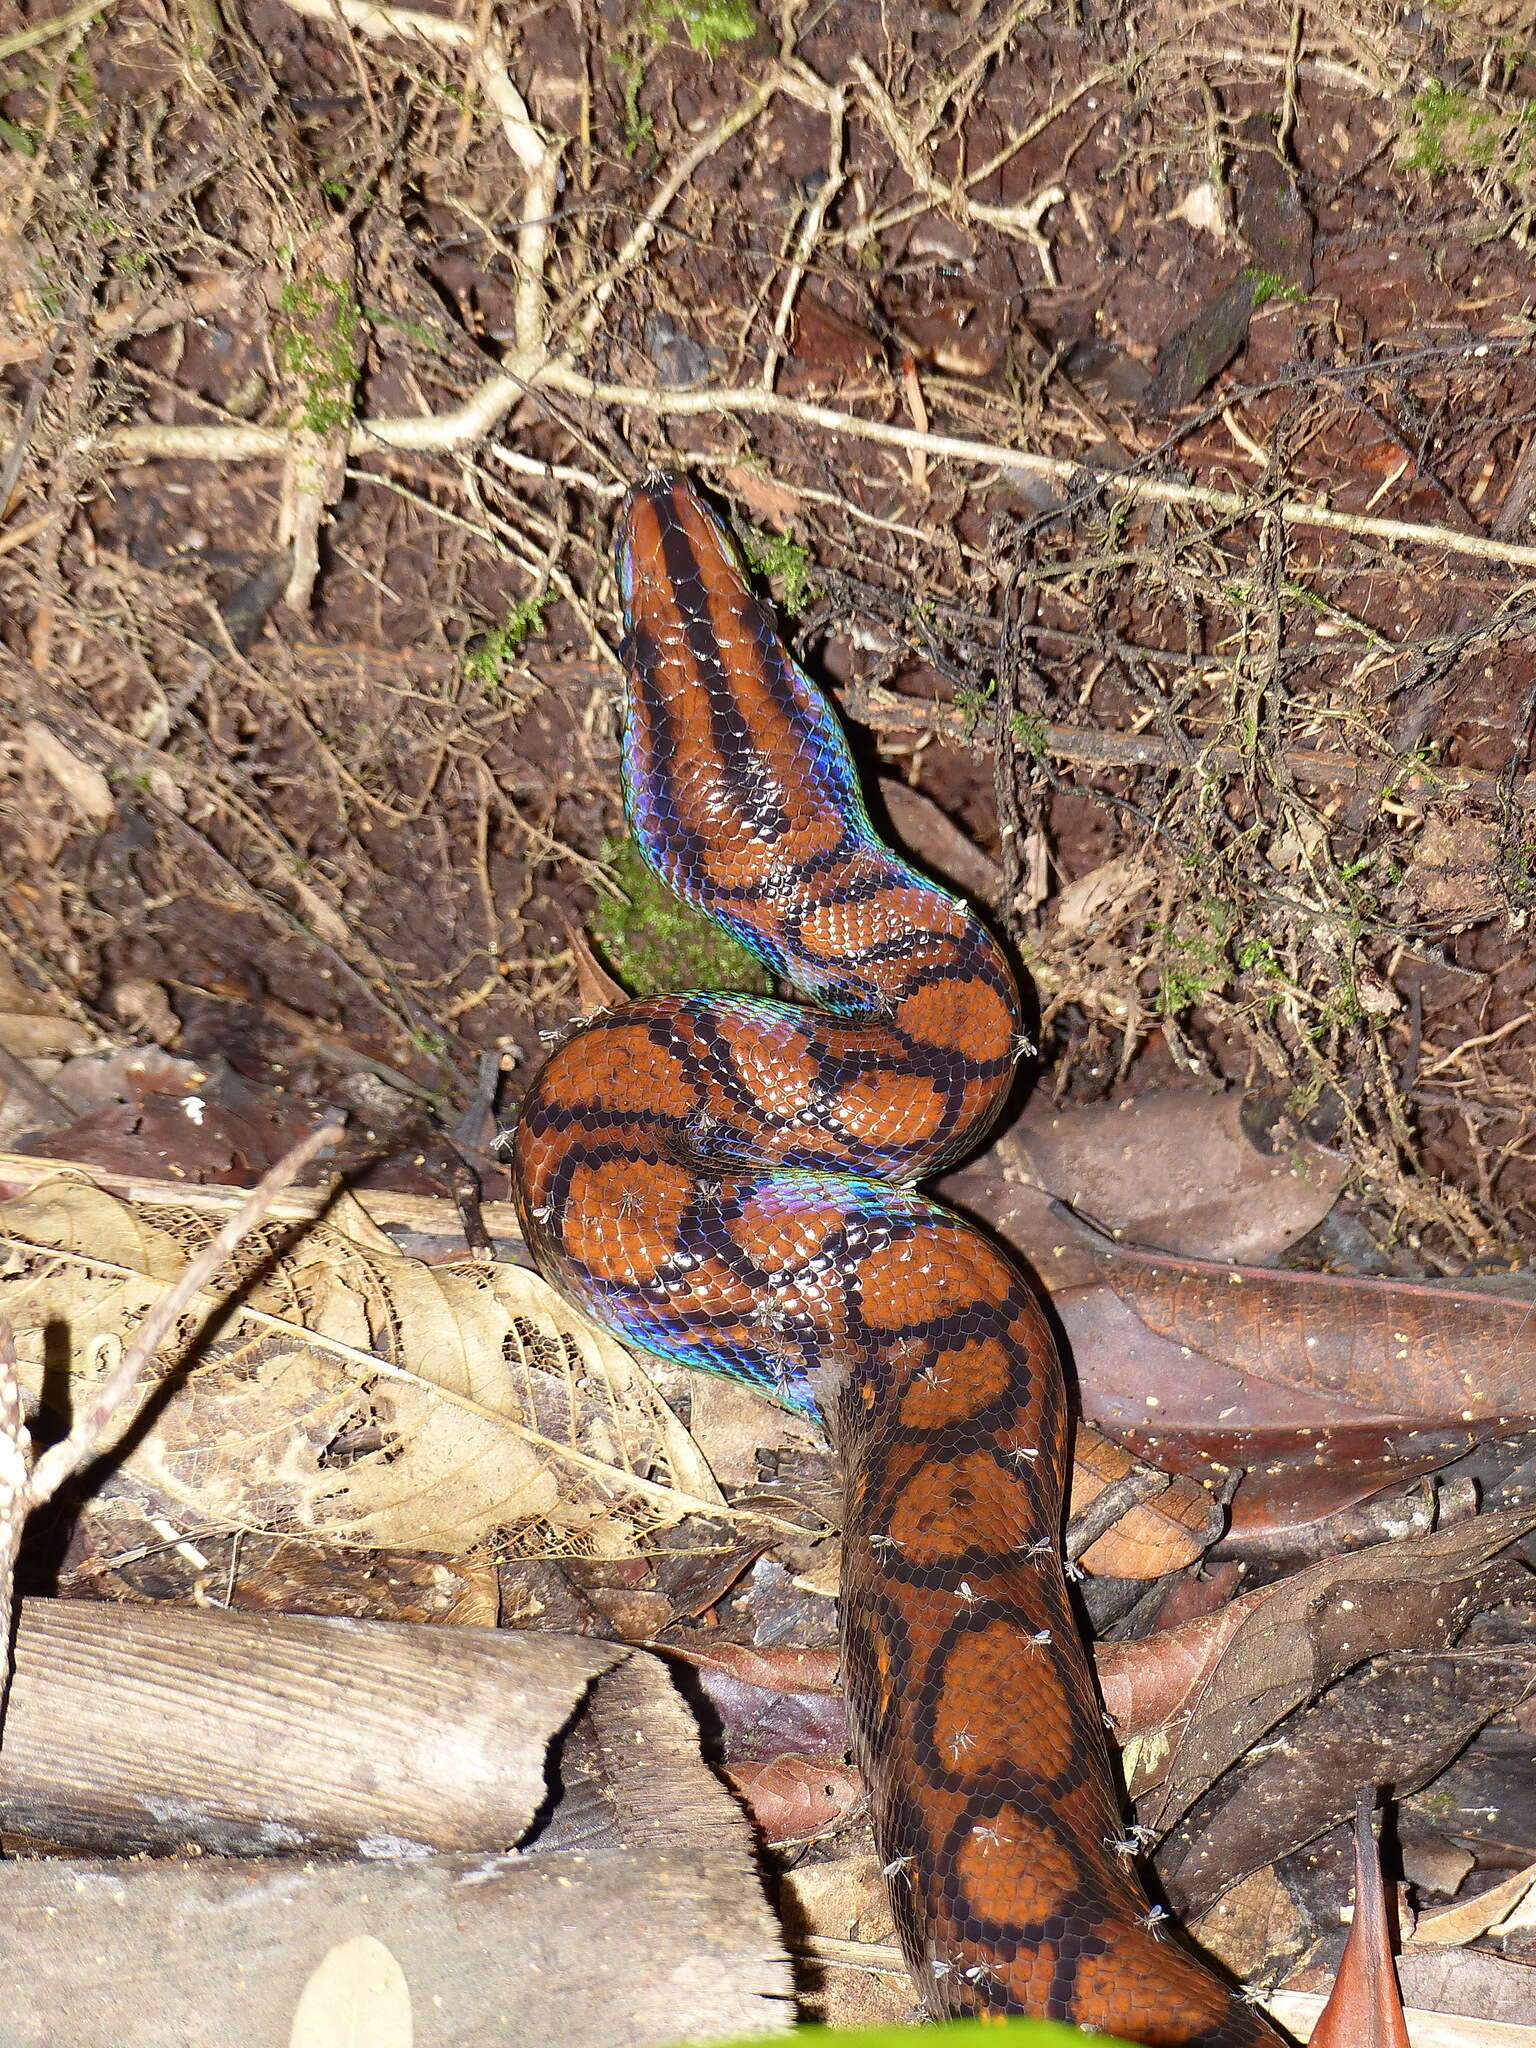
x,y
728,1181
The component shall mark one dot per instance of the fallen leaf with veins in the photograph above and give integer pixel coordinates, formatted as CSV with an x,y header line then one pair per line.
x,y
1320,1389
1298,1636
349,1392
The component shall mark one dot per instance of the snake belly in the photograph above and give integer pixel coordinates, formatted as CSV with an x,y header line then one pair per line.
x,y
727,1181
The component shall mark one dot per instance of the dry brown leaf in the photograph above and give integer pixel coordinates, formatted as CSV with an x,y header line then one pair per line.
x,y
1209,1176
1505,1908
1147,1682
1323,1622
34,1037
1321,1389
1489,1990
1094,897
1298,2012
796,1798
85,786
1365,2007
354,1393
1155,1536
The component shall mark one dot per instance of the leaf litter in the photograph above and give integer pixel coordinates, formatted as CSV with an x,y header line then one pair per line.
x,y
353,1393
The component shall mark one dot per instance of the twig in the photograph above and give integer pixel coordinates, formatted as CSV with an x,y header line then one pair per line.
x,y
21,1489
539,159
600,290
1140,1484
58,25
810,233
16,454
1022,220
887,711
148,315
54,1113
13,1494
476,417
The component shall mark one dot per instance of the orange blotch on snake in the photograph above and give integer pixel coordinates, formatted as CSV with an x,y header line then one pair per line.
x,y
958,1504
1011,1872
973,1019
956,1384
776,1067
622,1217
620,1067
874,1109
1177,1997
955,1270
840,930
987,1666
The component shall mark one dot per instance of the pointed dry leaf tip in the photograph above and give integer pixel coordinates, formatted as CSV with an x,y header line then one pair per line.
x,y
1365,2007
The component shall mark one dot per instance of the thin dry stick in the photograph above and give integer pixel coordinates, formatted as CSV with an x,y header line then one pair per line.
x,y
13,1493
1063,469
1022,220
886,710
805,245
480,413
1140,1484
22,1490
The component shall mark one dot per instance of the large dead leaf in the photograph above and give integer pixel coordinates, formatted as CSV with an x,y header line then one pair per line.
x,y
349,1391
1324,1622
1323,1389
1209,1176
1398,1721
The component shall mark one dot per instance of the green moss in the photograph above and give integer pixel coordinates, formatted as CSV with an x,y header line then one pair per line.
x,y
632,67
485,661
1197,960
775,554
1455,131
708,24
974,700
319,346
656,943
1030,733
1268,284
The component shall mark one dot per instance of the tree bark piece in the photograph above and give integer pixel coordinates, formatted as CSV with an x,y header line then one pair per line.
x,y
587,1950
155,1728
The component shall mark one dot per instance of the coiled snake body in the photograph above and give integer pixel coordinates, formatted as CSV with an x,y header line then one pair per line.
x,y
726,1181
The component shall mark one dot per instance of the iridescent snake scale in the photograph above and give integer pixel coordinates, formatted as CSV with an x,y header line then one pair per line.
x,y
727,1181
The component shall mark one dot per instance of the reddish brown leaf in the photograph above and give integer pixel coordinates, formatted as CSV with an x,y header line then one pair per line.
x,y
1147,1683
1153,1537
1199,1175
795,1798
776,1669
769,1703
1365,2007
1310,1629
1322,1389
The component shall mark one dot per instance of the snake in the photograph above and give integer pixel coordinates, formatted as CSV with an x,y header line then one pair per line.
x,y
728,1181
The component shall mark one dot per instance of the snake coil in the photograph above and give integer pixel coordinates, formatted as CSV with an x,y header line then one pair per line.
x,y
727,1181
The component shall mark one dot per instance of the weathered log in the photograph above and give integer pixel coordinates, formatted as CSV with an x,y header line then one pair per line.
x,y
159,1728
585,1950
656,1931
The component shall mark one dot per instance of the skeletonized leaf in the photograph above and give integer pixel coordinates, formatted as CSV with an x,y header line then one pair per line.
x,y
352,1392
